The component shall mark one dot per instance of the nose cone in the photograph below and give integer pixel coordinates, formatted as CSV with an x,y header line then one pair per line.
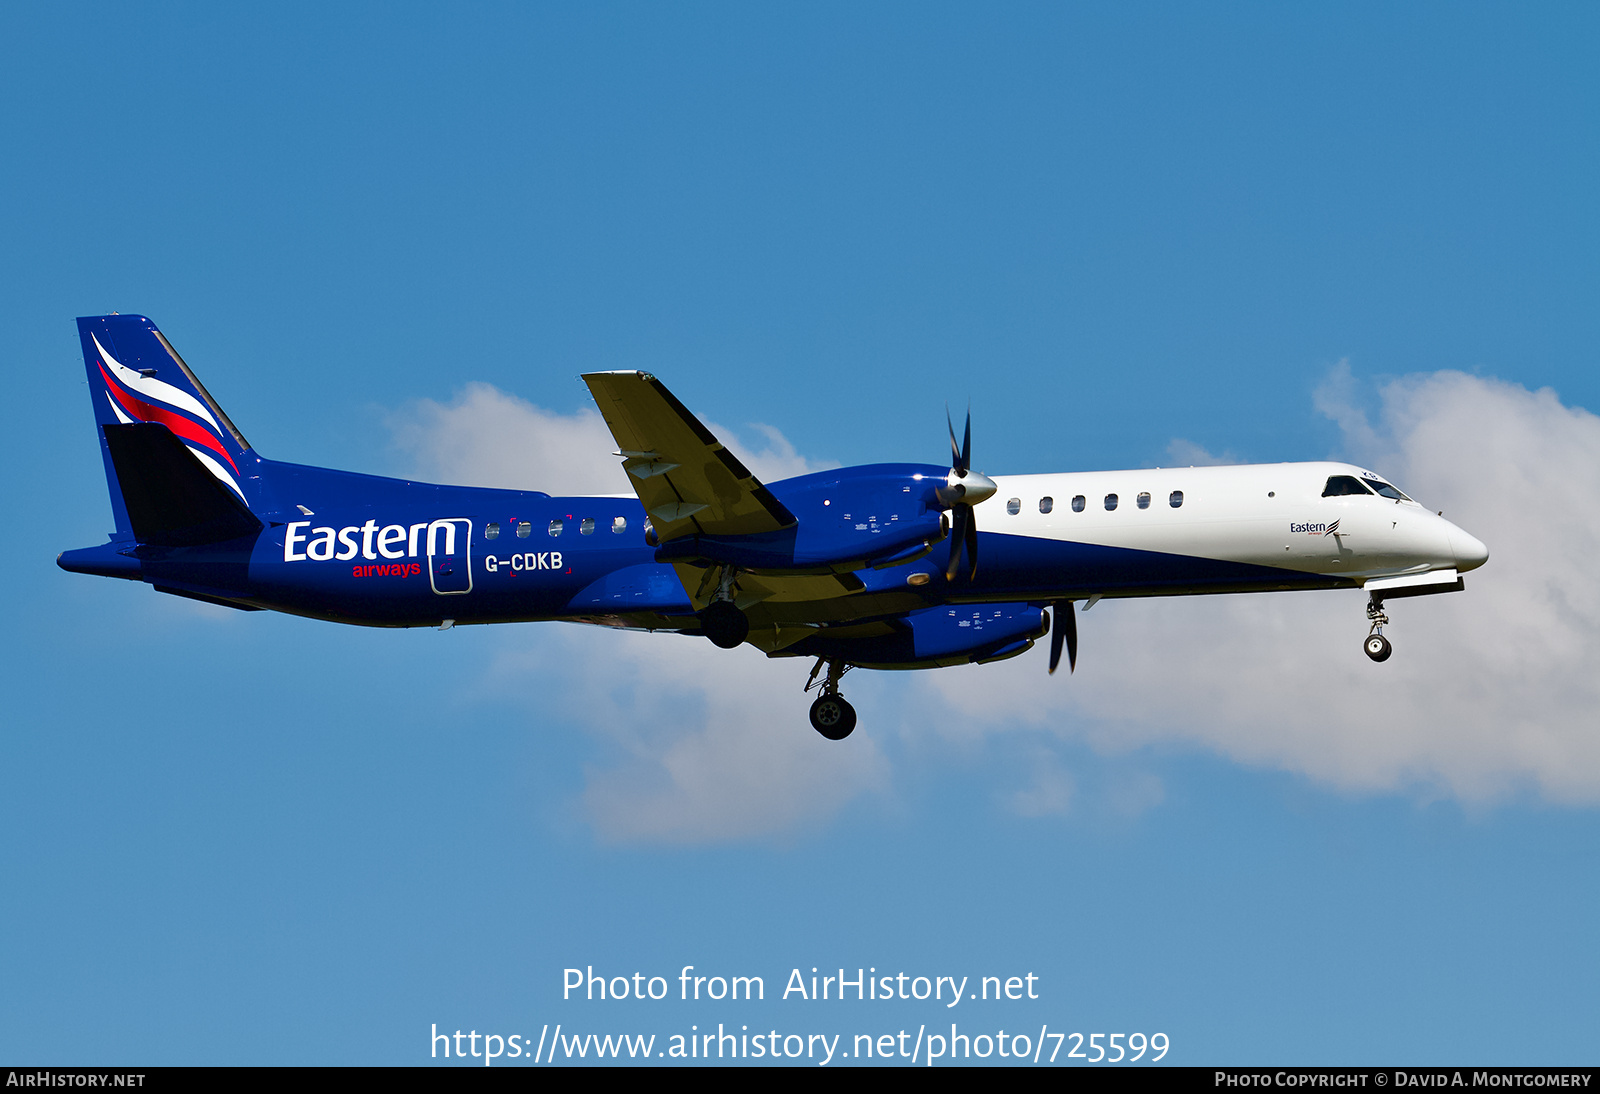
x,y
980,487
1469,550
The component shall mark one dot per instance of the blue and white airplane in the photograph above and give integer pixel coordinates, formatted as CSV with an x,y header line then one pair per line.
x,y
882,566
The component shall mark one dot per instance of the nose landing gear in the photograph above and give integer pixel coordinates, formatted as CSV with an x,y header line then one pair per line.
x,y
1377,646
831,715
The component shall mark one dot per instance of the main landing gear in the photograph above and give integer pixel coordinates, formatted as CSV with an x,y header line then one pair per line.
x,y
1377,646
831,715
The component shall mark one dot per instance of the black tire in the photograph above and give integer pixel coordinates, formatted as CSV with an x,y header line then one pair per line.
x,y
833,717
1378,648
724,624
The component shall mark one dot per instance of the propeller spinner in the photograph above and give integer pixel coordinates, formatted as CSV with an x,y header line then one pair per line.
x,y
963,488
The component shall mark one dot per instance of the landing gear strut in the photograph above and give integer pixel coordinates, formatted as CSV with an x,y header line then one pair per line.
x,y
1377,646
831,715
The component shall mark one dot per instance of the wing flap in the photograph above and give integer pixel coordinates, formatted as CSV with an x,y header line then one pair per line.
x,y
701,584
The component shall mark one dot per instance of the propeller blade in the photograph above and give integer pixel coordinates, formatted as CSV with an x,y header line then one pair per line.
x,y
955,453
1057,633
966,443
972,542
1064,631
961,516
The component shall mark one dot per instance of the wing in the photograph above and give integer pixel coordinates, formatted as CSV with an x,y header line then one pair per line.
x,y
689,483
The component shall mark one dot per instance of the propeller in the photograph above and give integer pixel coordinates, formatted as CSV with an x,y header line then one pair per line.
x,y
963,488
1063,629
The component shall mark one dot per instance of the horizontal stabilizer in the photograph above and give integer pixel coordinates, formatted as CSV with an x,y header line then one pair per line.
x,y
171,498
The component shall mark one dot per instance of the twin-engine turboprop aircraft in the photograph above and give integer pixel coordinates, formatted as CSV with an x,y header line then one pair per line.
x,y
884,566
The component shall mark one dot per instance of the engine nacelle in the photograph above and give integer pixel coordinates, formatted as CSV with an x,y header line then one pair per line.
x,y
883,514
935,637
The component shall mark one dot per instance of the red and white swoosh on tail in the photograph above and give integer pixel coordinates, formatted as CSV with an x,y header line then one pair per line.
x,y
125,388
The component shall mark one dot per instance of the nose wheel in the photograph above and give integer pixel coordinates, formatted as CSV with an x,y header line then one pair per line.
x,y
1377,646
831,714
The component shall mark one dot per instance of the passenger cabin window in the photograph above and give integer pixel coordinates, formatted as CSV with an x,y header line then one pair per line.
x,y
556,526
1111,502
1014,506
524,529
1386,490
586,526
1078,503
619,524
1144,500
1176,499
1046,504
1342,485
491,530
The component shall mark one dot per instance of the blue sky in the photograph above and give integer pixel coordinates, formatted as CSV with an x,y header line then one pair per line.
x,y
390,238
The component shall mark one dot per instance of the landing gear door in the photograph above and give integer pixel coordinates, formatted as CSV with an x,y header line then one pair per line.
x,y
450,556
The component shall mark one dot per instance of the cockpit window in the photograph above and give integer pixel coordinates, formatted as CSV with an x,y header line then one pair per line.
x,y
1340,485
1386,490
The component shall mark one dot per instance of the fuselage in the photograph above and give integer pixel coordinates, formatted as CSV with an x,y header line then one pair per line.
x,y
385,552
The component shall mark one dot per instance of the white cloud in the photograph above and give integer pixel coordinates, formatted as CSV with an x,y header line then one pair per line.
x,y
1338,399
1049,790
698,745
485,437
1490,692
1182,453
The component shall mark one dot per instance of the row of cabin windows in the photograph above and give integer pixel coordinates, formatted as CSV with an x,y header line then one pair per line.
x,y
524,528
1014,506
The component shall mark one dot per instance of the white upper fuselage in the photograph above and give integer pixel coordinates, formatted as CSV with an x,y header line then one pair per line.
x,y
1261,514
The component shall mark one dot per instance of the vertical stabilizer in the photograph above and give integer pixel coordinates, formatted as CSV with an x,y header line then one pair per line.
x,y
136,376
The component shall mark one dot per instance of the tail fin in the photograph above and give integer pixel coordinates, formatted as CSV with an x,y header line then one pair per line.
x,y
135,376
